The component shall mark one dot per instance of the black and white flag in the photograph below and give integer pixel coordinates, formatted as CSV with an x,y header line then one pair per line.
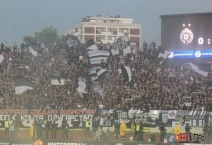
x,y
1,58
33,51
163,55
72,41
97,73
185,66
58,81
22,85
97,56
114,50
81,88
98,89
90,45
4,63
127,73
202,69
121,44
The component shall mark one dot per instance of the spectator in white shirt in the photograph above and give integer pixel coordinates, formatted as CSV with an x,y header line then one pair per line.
x,y
101,123
12,130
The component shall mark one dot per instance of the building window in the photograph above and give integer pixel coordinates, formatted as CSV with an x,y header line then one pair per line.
x,y
76,29
80,29
114,32
112,38
100,38
99,30
123,31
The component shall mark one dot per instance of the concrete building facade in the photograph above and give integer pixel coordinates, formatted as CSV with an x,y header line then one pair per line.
x,y
106,30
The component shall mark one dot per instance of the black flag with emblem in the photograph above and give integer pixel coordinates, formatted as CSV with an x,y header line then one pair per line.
x,y
72,42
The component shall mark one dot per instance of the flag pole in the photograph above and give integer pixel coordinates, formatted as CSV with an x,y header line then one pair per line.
x,y
180,94
37,41
9,30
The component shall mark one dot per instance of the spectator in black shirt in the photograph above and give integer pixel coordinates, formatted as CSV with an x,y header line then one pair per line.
x,y
2,46
187,128
54,128
47,128
162,132
117,128
65,128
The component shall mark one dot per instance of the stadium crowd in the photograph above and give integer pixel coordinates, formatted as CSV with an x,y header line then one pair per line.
x,y
152,86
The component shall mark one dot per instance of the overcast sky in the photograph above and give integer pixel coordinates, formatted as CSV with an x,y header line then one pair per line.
x,y
29,16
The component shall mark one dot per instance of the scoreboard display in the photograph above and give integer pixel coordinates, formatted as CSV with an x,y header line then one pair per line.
x,y
187,35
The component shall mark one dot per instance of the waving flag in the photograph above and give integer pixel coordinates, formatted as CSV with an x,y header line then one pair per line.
x,y
72,41
81,88
202,69
97,73
163,55
58,81
22,85
33,51
121,44
90,45
1,58
97,56
114,50
127,73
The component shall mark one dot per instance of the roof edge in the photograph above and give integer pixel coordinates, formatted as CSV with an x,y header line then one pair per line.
x,y
184,15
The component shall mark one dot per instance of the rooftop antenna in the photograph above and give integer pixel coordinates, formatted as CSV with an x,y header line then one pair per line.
x,y
108,13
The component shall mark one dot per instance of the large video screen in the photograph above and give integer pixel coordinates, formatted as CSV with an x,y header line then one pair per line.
x,y
187,32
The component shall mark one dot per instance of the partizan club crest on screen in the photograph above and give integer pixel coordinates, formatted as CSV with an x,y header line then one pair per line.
x,y
186,36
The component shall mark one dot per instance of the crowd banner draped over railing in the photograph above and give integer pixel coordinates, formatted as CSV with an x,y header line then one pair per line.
x,y
77,117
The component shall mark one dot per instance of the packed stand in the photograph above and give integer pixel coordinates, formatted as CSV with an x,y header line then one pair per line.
x,y
152,86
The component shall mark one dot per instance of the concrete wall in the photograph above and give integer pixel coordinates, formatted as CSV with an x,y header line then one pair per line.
x,y
89,30
88,37
134,31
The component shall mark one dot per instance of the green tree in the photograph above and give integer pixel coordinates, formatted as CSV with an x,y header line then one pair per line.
x,y
30,39
47,36
61,40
